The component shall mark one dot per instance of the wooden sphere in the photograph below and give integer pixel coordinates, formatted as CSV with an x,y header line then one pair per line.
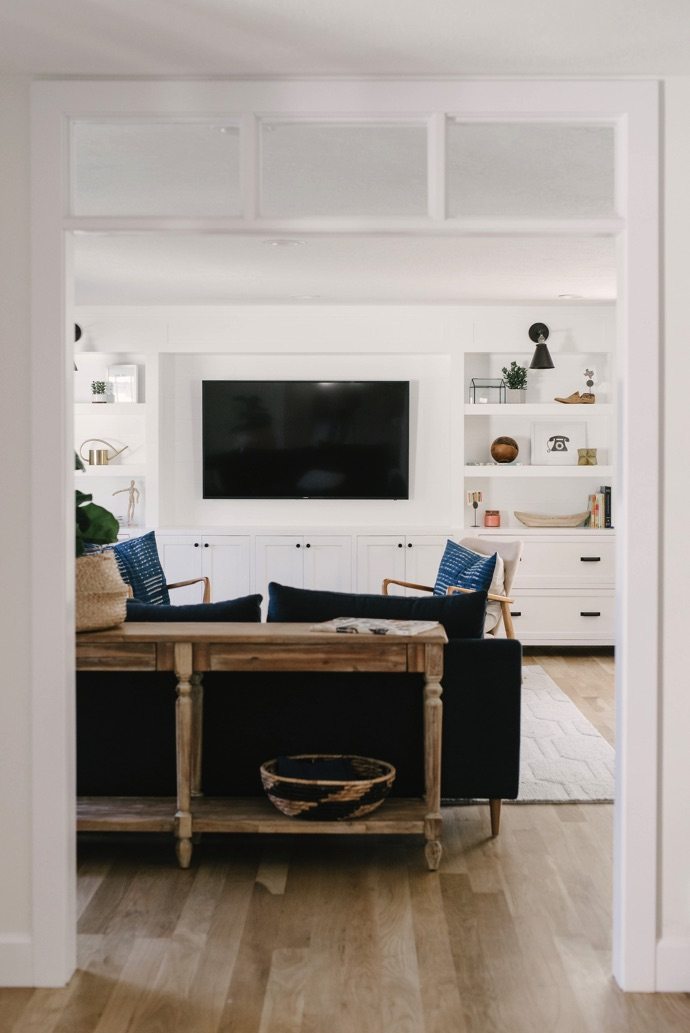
x,y
504,450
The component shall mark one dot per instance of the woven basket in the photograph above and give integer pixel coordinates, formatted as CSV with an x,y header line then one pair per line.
x,y
101,593
329,800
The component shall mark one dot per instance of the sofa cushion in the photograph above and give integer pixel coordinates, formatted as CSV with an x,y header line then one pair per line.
x,y
246,608
463,567
462,616
140,567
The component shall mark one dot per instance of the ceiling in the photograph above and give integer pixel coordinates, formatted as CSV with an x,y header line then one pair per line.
x,y
139,269
395,37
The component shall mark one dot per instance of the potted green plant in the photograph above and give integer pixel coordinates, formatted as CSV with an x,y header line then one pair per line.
x,y
515,377
98,391
101,594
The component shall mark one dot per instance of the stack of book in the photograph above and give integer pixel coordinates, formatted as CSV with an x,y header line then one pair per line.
x,y
599,506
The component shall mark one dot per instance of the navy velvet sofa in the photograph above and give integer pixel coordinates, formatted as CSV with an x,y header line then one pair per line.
x,y
125,722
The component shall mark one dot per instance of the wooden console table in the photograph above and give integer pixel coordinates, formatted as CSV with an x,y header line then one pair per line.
x,y
190,649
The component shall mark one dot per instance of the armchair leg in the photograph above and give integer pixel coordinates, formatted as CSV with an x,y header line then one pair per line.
x,y
495,812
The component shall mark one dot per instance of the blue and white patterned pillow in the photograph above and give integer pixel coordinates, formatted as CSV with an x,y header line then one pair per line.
x,y
461,566
140,567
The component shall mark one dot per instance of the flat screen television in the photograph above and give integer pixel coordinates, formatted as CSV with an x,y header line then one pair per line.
x,y
300,439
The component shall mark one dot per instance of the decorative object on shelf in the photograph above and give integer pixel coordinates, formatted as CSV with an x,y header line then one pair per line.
x,y
133,497
516,382
98,388
473,499
341,787
492,518
586,457
124,382
484,390
576,399
543,520
587,395
556,443
99,456
538,332
504,450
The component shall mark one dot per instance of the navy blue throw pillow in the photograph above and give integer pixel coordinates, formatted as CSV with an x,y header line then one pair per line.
x,y
140,567
246,608
463,567
462,616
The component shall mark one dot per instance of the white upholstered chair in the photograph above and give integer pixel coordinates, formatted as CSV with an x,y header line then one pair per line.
x,y
498,608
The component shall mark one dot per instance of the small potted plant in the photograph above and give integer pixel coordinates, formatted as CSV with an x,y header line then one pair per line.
x,y
98,391
101,594
516,382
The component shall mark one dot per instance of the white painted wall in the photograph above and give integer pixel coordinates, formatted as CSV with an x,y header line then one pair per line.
x,y
15,551
421,343
673,964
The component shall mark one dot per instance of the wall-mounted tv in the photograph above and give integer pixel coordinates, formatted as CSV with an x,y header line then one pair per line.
x,y
298,439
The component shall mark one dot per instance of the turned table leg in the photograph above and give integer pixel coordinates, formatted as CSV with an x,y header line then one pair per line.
x,y
183,735
433,719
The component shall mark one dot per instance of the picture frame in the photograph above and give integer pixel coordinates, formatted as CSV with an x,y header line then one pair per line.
x,y
123,382
555,442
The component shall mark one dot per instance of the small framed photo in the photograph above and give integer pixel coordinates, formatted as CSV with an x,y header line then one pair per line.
x,y
123,383
555,442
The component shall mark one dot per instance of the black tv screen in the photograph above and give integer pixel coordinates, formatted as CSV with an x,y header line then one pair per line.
x,y
296,439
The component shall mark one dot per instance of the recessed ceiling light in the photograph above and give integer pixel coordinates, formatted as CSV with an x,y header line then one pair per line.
x,y
571,297
283,242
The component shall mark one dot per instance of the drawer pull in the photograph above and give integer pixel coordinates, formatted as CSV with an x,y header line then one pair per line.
x,y
516,613
590,613
590,559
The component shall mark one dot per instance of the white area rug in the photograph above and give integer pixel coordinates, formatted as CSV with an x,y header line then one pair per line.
x,y
563,758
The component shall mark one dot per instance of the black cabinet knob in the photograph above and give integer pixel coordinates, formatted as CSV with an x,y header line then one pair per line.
x,y
206,545
196,545
409,545
298,545
400,545
308,545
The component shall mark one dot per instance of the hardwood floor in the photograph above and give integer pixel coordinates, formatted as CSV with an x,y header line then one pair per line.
x,y
314,935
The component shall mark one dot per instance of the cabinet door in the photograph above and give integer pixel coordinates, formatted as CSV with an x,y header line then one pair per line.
x,y
422,558
278,558
226,561
180,557
380,556
328,562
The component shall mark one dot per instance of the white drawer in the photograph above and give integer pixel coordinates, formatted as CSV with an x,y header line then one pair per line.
x,y
575,618
566,562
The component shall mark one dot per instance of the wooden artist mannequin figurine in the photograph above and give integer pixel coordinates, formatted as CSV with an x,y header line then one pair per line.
x,y
134,496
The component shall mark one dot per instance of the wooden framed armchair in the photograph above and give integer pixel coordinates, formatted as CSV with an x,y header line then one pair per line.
x,y
498,614
206,598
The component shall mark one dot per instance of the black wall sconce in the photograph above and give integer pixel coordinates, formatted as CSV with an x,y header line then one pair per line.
x,y
541,359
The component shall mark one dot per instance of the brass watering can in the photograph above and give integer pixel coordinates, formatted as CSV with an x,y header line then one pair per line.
x,y
99,456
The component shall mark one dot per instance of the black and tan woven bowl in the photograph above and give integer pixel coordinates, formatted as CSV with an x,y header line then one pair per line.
x,y
321,800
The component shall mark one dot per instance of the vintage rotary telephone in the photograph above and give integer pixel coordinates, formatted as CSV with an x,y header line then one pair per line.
x,y
558,443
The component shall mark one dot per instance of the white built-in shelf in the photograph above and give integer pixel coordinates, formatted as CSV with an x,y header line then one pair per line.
x,y
598,473
109,408
112,470
519,529
537,409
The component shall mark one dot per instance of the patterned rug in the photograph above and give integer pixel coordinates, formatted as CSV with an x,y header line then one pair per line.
x,y
563,758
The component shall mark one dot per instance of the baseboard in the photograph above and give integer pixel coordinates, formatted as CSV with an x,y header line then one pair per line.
x,y
16,961
673,965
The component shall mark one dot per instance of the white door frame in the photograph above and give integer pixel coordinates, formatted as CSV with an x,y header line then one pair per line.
x,y
633,107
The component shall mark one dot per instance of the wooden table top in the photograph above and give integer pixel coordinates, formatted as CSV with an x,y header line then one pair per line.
x,y
220,631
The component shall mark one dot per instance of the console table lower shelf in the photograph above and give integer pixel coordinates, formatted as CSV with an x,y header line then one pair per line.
x,y
250,814
192,649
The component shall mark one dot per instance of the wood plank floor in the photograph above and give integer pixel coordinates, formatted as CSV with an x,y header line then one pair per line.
x,y
350,935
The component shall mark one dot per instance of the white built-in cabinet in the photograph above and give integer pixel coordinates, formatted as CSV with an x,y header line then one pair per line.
x,y
225,559
304,561
403,557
